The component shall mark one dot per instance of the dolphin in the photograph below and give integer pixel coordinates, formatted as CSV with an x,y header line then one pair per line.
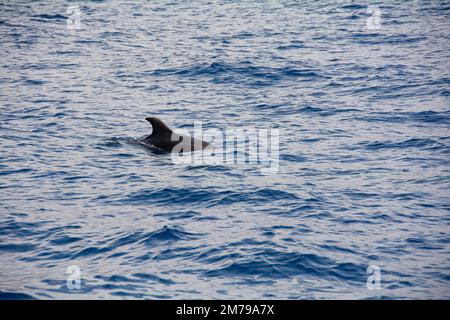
x,y
164,138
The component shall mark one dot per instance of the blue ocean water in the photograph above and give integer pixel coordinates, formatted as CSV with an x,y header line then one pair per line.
x,y
363,177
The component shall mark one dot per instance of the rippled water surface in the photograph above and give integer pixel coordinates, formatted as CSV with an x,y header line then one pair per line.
x,y
363,179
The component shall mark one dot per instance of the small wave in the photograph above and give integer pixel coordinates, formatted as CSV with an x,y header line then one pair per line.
x,y
424,117
245,73
135,278
275,264
17,171
151,277
4,295
34,82
185,215
431,117
209,197
375,38
119,142
293,158
165,234
325,111
136,238
292,46
409,143
64,240
46,16
17,247
353,6
19,228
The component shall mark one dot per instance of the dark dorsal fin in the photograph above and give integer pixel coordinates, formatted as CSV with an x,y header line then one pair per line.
x,y
158,126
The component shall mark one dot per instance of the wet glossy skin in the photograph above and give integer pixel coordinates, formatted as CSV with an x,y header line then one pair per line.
x,y
164,138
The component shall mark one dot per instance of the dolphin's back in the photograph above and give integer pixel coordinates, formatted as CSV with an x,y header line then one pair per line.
x,y
164,138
